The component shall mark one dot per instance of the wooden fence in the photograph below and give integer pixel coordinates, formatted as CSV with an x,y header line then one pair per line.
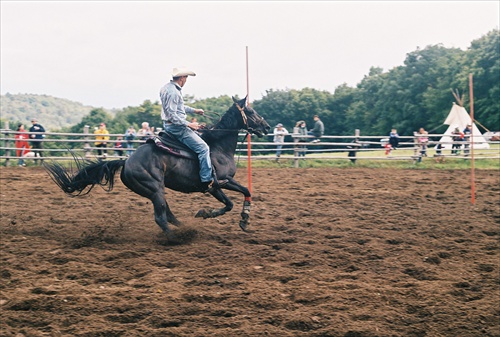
x,y
356,147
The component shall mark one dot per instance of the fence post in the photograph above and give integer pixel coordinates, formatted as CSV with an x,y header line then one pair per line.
x,y
86,145
7,143
416,149
354,147
295,147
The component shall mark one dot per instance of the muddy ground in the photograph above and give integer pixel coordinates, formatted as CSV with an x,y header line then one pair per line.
x,y
334,252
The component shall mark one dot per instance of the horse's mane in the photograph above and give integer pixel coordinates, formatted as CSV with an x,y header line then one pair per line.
x,y
227,124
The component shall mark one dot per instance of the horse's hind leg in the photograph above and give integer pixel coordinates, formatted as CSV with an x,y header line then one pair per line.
x,y
149,184
171,217
162,211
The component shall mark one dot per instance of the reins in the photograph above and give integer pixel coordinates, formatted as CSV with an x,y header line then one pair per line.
x,y
245,122
243,117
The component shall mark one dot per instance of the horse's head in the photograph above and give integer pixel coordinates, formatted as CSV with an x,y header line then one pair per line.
x,y
250,119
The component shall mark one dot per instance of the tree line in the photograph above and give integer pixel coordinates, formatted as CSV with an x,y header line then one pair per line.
x,y
417,94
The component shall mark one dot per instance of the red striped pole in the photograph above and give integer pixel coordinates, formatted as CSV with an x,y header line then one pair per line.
x,y
472,185
249,137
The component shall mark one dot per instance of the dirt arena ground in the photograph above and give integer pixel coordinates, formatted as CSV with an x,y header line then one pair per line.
x,y
333,252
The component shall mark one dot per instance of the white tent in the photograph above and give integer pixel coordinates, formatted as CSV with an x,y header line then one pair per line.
x,y
458,117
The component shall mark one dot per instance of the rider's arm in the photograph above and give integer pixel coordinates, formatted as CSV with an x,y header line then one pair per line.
x,y
171,104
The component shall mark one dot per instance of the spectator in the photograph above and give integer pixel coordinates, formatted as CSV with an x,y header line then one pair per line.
x,y
423,140
129,137
21,143
279,139
145,132
101,140
119,146
394,139
301,129
36,139
318,130
467,132
457,137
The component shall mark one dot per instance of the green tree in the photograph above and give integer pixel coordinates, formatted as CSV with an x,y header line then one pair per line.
x,y
484,59
93,119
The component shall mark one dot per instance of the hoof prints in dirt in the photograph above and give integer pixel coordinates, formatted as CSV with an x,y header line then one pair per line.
x,y
94,237
337,253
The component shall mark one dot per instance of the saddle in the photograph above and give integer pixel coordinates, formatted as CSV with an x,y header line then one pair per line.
x,y
169,144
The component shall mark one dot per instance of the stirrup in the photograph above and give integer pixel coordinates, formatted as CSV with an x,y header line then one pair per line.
x,y
215,184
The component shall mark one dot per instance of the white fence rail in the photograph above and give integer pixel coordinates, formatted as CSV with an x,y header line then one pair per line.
x,y
351,148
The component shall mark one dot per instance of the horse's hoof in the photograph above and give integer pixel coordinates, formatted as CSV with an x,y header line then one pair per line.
x,y
243,225
202,214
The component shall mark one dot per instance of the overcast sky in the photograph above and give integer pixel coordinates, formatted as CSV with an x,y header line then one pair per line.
x,y
114,54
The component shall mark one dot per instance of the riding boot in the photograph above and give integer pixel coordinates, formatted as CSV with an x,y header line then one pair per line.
x,y
214,183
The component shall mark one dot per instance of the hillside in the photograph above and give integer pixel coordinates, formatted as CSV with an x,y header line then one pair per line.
x,y
52,112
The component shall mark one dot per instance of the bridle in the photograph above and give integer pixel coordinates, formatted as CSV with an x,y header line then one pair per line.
x,y
244,119
243,115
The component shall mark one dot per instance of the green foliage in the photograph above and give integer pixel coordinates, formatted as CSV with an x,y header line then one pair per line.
x,y
288,107
416,94
484,59
54,113
93,119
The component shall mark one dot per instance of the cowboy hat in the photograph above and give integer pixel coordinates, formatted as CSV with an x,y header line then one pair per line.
x,y
178,72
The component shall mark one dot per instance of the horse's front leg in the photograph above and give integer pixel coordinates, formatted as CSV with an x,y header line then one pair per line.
x,y
233,185
219,195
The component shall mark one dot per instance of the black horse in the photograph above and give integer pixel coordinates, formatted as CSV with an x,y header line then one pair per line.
x,y
150,168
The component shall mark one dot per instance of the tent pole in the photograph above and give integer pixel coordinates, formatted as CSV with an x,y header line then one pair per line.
x,y
472,186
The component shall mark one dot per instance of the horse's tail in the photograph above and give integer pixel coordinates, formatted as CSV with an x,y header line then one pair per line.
x,y
96,173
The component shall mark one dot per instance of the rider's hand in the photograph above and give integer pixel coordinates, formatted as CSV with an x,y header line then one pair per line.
x,y
194,126
199,111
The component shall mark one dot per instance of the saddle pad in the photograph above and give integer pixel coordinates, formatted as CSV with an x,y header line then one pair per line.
x,y
169,144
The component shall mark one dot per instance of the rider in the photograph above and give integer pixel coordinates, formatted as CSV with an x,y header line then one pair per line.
x,y
174,122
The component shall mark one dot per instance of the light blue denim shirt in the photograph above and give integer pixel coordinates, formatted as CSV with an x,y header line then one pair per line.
x,y
173,108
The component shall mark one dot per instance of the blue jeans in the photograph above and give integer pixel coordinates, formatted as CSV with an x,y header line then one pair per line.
x,y
192,140
310,133
130,146
278,150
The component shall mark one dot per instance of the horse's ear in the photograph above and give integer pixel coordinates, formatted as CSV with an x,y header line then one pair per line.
x,y
242,102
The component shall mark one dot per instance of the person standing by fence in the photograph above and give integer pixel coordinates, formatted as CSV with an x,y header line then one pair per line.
x,y
145,132
279,139
423,140
457,137
129,137
21,143
119,146
101,140
36,139
301,129
467,132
